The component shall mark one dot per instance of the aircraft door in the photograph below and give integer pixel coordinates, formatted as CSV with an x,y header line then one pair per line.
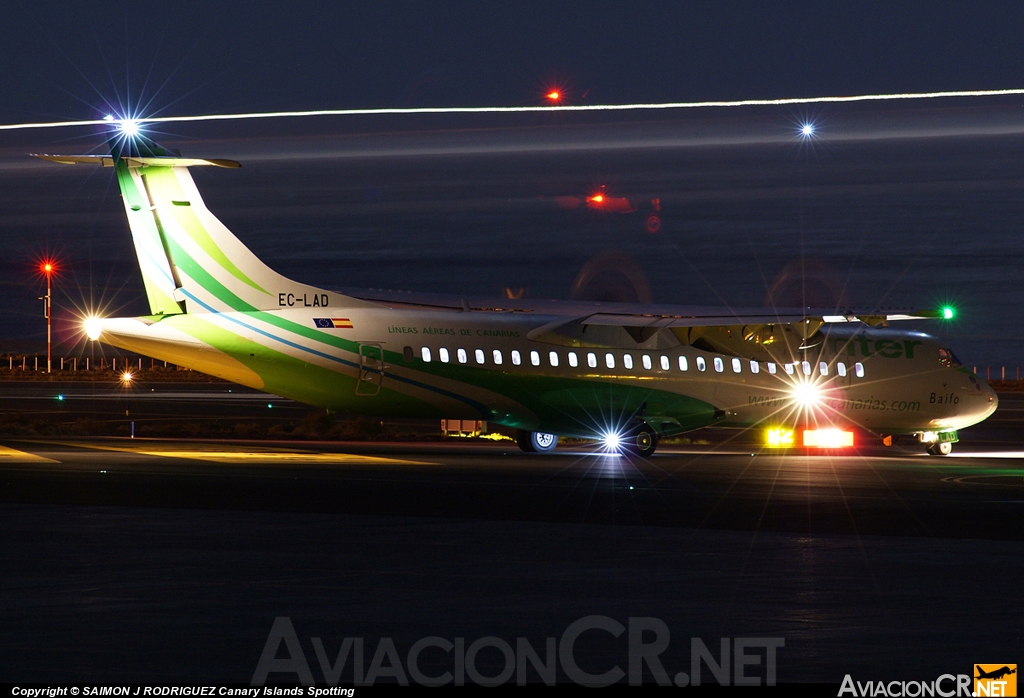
x,y
371,370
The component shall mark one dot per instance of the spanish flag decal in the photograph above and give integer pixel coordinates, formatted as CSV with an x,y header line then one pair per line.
x,y
336,323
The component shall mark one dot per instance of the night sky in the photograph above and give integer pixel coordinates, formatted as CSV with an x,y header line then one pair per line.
x,y
62,59
894,204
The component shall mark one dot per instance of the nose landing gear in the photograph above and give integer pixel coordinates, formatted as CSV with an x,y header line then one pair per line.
x,y
939,443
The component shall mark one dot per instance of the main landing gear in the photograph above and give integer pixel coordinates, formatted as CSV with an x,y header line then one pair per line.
x,y
943,448
536,441
641,441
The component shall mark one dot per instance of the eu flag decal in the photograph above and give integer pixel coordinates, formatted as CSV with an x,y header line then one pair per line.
x,y
332,323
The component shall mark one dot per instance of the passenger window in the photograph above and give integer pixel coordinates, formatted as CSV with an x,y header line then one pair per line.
x,y
701,364
737,365
823,368
755,367
665,363
479,354
535,358
517,358
573,361
407,354
609,360
858,369
442,354
425,354
497,356
789,368
463,356
841,369
627,361
719,364
806,365
553,358
771,368
646,361
682,363
592,360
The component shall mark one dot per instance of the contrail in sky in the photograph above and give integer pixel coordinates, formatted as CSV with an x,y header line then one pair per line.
x,y
509,110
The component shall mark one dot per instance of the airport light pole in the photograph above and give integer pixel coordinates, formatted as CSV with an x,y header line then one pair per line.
x,y
48,268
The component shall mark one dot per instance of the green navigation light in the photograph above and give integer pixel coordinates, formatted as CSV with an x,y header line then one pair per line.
x,y
948,313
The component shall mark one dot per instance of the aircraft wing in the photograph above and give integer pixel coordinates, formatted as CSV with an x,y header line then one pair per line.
x,y
647,314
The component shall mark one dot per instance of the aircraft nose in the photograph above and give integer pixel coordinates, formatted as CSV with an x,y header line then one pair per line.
x,y
988,402
993,399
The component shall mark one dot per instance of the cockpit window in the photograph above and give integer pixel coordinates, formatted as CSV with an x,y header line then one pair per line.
x,y
948,358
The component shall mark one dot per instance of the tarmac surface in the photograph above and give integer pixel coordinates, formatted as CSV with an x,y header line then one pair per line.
x,y
153,560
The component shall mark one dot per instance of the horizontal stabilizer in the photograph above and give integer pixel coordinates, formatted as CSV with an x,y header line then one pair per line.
x,y
134,161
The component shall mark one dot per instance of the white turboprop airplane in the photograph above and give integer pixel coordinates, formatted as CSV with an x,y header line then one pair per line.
x,y
626,374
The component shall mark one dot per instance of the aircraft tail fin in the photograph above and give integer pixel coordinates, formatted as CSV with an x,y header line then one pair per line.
x,y
190,261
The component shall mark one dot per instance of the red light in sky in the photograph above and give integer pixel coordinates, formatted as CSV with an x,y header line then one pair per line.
x,y
48,267
554,95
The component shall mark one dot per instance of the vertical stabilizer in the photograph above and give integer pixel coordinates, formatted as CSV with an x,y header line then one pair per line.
x,y
190,261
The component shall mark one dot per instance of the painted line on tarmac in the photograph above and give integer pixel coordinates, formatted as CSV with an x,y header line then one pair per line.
x,y
13,455
249,455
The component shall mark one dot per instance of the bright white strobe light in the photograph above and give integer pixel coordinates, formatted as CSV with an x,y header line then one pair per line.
x,y
129,127
612,441
806,394
93,328
807,130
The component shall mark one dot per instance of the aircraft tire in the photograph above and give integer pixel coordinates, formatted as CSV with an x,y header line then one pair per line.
x,y
653,223
940,449
642,441
536,441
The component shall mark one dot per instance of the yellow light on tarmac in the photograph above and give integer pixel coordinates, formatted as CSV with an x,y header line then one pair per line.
x,y
93,328
778,437
828,438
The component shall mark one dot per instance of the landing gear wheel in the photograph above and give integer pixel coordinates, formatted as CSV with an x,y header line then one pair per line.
x,y
653,223
642,441
940,449
536,441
